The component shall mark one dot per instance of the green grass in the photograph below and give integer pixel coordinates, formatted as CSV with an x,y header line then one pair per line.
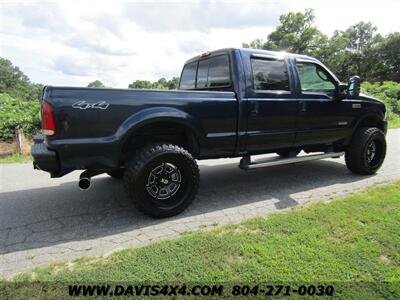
x,y
16,158
394,122
353,242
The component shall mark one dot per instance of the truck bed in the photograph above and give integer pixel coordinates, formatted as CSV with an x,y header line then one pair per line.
x,y
97,116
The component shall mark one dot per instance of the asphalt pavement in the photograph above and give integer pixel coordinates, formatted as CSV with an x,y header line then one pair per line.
x,y
43,219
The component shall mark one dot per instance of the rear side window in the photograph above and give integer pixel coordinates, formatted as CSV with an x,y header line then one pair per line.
x,y
270,74
188,78
218,72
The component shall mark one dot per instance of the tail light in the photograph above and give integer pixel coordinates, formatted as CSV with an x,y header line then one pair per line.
x,y
48,121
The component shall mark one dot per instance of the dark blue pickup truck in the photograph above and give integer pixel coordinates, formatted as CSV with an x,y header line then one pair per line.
x,y
230,103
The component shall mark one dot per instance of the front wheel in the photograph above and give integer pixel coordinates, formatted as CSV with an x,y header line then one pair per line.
x,y
162,180
366,152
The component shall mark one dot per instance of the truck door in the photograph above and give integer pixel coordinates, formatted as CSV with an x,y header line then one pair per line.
x,y
322,118
271,104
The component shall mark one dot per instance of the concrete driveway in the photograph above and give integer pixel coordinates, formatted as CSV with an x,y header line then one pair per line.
x,y
43,219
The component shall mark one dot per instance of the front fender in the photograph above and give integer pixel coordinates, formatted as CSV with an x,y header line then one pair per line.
x,y
372,119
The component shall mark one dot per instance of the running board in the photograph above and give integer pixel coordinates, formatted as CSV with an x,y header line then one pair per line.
x,y
246,164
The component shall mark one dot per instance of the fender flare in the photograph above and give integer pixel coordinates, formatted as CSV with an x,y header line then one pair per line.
x,y
155,115
378,117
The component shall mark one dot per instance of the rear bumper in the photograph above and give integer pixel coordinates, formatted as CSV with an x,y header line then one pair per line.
x,y
44,158
60,157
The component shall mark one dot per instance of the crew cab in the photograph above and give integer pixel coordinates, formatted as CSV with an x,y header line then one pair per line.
x,y
230,103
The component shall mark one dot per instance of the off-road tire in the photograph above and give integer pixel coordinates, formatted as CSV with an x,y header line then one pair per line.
x,y
356,155
138,172
117,174
287,154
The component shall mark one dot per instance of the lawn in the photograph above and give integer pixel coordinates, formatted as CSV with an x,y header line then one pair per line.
x,y
16,158
394,122
352,244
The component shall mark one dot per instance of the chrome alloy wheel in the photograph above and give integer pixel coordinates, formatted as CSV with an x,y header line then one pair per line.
x,y
371,151
164,181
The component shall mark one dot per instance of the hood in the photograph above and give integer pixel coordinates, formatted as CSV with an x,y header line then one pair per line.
x,y
370,98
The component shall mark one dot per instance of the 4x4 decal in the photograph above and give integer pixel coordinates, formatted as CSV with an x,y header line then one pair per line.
x,y
86,105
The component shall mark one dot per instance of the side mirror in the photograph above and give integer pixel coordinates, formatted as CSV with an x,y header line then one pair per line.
x,y
353,88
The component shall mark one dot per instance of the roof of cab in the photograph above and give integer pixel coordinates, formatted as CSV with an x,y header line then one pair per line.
x,y
251,51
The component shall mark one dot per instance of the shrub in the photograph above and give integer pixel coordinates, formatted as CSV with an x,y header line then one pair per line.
x,y
16,113
387,91
24,114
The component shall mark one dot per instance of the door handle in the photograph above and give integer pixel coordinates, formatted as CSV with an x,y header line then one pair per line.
x,y
254,108
303,106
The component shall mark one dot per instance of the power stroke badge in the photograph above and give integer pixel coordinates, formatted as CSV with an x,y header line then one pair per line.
x,y
86,105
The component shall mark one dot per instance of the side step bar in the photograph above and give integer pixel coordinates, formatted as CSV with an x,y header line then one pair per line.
x,y
246,164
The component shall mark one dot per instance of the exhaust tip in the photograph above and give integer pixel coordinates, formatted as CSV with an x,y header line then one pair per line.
x,y
84,183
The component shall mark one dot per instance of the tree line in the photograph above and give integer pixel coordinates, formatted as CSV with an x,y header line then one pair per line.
x,y
358,50
15,83
160,84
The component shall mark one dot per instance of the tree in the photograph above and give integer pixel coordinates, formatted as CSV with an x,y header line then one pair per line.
x,y
389,52
355,51
160,84
296,34
96,84
254,44
360,36
173,84
141,84
14,82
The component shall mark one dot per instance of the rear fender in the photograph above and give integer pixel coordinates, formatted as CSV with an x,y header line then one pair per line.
x,y
155,115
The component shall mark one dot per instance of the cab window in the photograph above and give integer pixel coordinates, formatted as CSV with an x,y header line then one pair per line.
x,y
315,79
188,77
202,74
270,74
209,73
213,72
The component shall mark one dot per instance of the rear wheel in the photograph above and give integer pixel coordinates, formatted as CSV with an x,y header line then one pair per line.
x,y
288,153
366,152
162,180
